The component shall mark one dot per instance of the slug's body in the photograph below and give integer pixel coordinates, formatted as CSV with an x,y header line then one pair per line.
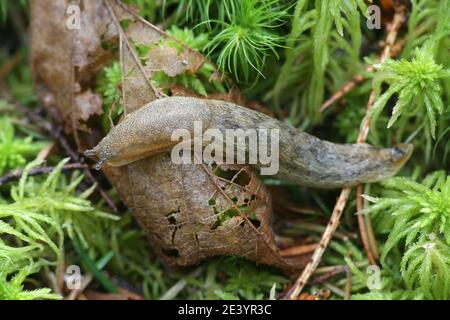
x,y
303,158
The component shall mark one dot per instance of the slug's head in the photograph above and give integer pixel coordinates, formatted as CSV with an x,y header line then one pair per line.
x,y
121,146
400,154
119,149
148,130
103,153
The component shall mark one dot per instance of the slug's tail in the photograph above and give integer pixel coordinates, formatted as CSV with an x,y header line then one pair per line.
x,y
327,165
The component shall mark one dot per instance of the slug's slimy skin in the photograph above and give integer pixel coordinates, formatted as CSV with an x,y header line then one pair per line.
x,y
303,158
147,131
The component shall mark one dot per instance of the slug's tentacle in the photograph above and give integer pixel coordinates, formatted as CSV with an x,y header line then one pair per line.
x,y
303,158
99,164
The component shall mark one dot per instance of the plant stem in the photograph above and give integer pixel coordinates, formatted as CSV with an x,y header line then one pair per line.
x,y
16,174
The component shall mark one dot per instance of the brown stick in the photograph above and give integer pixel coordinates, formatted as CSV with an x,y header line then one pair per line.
x,y
370,246
56,134
16,174
346,88
358,78
298,250
372,254
329,274
326,237
301,281
134,56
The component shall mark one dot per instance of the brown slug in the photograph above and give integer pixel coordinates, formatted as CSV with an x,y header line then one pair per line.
x,y
303,158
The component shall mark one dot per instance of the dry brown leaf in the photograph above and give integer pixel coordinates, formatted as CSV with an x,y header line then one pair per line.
x,y
183,213
142,34
136,87
172,62
51,64
166,59
64,61
88,104
188,213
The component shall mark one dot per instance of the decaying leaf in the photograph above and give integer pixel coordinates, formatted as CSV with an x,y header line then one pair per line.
x,y
88,104
189,212
187,217
137,87
64,61
52,65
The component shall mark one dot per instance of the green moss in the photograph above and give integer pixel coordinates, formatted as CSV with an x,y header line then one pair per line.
x,y
15,151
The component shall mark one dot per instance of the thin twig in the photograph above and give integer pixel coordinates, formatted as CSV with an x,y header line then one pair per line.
x,y
359,78
340,268
301,224
329,274
164,33
122,75
326,237
181,43
16,174
56,134
299,284
372,254
334,289
364,221
123,37
298,250
346,88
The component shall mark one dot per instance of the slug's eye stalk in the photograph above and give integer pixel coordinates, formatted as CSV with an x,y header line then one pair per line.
x,y
90,153
99,165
